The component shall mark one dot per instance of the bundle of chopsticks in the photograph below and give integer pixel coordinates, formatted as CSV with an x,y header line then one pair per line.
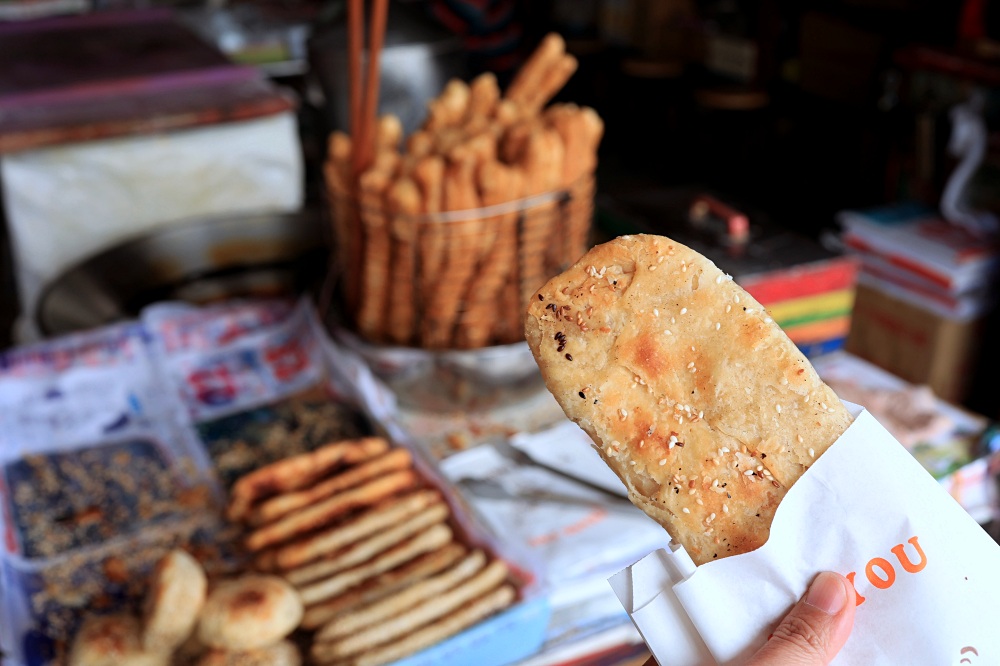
x,y
442,237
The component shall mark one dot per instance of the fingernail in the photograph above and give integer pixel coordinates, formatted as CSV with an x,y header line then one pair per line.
x,y
827,593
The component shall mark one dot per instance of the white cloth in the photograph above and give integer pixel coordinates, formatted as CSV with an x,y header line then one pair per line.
x,y
64,203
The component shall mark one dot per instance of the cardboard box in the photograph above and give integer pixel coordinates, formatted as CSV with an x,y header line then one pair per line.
x,y
914,344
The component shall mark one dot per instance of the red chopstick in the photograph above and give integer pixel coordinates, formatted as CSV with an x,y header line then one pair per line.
x,y
376,37
355,37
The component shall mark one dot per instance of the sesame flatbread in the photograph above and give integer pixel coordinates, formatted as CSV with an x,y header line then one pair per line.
x,y
363,551
368,615
382,585
382,516
322,513
692,394
488,579
426,541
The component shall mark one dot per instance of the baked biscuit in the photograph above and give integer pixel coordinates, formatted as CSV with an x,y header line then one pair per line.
x,y
112,640
249,612
173,601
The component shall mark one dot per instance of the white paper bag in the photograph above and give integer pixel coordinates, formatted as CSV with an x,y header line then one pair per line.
x,y
926,574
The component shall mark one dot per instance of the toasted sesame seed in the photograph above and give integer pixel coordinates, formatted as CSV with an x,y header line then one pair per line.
x,y
749,472
701,415
667,331
812,453
691,364
736,298
632,463
728,308
760,468
718,280
692,491
725,449
684,268
652,268
684,310
725,508
767,320
699,502
823,405
656,312
686,510
715,483
624,413
673,320
718,325
799,437
778,407
663,462
711,516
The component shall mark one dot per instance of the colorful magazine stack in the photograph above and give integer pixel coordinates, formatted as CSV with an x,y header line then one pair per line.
x,y
909,252
812,302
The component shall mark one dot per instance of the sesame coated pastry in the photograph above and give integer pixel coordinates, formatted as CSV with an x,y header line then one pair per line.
x,y
692,394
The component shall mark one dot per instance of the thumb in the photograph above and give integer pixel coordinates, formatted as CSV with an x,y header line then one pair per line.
x,y
816,628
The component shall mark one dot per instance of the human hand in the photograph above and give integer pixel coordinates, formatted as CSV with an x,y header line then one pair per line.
x,y
814,630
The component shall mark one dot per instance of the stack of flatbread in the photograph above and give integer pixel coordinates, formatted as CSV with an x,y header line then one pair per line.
x,y
442,240
370,548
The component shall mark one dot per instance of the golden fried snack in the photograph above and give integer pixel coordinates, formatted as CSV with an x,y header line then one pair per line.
x,y
173,601
385,515
530,77
692,394
249,612
404,204
484,95
388,133
383,585
320,514
364,550
553,81
112,640
346,224
281,505
543,160
372,186
460,194
428,540
499,184
450,108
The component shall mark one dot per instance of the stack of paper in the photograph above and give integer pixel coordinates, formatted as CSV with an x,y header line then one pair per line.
x,y
910,252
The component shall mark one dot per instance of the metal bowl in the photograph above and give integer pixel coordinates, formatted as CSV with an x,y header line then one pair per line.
x,y
445,381
200,261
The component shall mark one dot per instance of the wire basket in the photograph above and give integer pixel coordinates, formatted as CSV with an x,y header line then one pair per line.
x,y
454,280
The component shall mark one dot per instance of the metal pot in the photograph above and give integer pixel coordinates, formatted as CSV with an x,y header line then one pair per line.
x,y
200,261
418,58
